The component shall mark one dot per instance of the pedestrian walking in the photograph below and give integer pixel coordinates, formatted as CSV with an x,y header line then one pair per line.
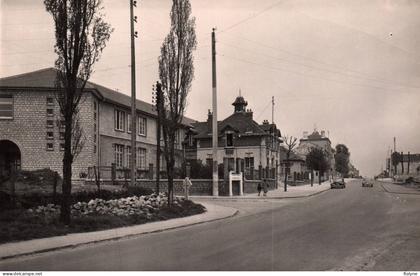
x,y
259,188
265,187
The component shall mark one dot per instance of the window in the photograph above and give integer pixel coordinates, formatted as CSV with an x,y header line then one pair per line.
x,y
50,146
50,112
229,139
141,158
129,123
62,125
62,147
50,135
94,148
6,107
128,155
50,101
118,155
50,123
142,126
249,162
61,135
119,120
190,140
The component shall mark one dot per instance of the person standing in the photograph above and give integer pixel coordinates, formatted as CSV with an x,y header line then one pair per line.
x,y
265,187
259,188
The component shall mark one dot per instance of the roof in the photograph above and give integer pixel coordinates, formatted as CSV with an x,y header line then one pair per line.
x,y
315,136
241,122
45,78
240,100
293,156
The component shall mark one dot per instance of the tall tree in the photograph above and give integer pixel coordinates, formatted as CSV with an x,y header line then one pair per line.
x,y
176,72
342,159
81,35
290,145
317,160
395,159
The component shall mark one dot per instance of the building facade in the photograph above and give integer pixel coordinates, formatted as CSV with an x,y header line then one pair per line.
x,y
317,140
243,144
32,130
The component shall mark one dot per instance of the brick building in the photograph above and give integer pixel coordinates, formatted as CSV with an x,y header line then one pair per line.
x,y
31,129
242,142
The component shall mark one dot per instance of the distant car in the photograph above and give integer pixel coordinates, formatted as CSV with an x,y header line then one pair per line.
x,y
338,185
367,183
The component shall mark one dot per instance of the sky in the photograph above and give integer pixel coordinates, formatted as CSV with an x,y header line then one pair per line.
x,y
351,68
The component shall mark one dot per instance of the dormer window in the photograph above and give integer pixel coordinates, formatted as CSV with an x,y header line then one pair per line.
x,y
229,139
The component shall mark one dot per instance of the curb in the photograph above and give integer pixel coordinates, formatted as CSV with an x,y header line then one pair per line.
x,y
233,212
255,198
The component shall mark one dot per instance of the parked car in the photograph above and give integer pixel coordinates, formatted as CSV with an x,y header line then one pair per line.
x,y
338,185
367,183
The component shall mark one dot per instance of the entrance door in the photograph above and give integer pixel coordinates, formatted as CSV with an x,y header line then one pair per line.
x,y
9,158
235,187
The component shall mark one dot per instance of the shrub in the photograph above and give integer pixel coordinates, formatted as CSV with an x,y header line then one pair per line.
x,y
38,199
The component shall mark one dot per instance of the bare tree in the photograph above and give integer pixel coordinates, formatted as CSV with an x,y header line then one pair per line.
x,y
81,35
176,72
290,145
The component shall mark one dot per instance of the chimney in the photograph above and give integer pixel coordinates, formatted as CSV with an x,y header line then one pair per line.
x,y
305,134
265,122
209,119
249,113
323,133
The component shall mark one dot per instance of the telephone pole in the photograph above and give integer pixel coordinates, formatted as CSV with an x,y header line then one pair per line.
x,y
133,94
272,110
214,124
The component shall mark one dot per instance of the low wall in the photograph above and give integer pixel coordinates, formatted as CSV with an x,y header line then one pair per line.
x,y
199,186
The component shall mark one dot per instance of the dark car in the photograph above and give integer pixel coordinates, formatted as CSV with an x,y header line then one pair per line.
x,y
367,183
338,185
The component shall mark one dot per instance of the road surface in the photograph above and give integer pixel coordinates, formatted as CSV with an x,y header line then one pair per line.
x,y
350,229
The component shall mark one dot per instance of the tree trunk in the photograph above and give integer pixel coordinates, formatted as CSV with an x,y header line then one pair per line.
x,y
319,177
158,156
170,173
285,180
312,178
67,173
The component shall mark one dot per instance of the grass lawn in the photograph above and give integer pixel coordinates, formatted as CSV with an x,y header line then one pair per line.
x,y
18,224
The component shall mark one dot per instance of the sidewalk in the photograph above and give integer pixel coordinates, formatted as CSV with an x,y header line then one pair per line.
x,y
292,192
390,187
9,250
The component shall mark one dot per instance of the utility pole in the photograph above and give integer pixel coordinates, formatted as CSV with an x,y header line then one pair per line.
x,y
395,150
214,124
272,110
133,94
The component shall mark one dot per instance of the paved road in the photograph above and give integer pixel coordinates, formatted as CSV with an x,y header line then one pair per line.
x,y
352,229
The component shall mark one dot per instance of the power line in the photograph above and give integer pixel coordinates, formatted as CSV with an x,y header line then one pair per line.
x,y
310,58
346,74
251,17
305,75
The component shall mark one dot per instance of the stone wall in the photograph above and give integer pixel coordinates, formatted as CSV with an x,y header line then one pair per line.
x,y
199,186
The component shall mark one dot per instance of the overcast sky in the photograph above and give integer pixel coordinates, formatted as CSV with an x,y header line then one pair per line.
x,y
348,67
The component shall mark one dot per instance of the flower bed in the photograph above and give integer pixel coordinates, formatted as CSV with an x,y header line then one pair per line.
x,y
135,205
96,214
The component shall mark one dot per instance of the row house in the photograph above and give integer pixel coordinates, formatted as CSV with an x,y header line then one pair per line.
x,y
32,130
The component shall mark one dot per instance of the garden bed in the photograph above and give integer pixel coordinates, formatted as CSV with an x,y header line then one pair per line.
x,y
97,214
